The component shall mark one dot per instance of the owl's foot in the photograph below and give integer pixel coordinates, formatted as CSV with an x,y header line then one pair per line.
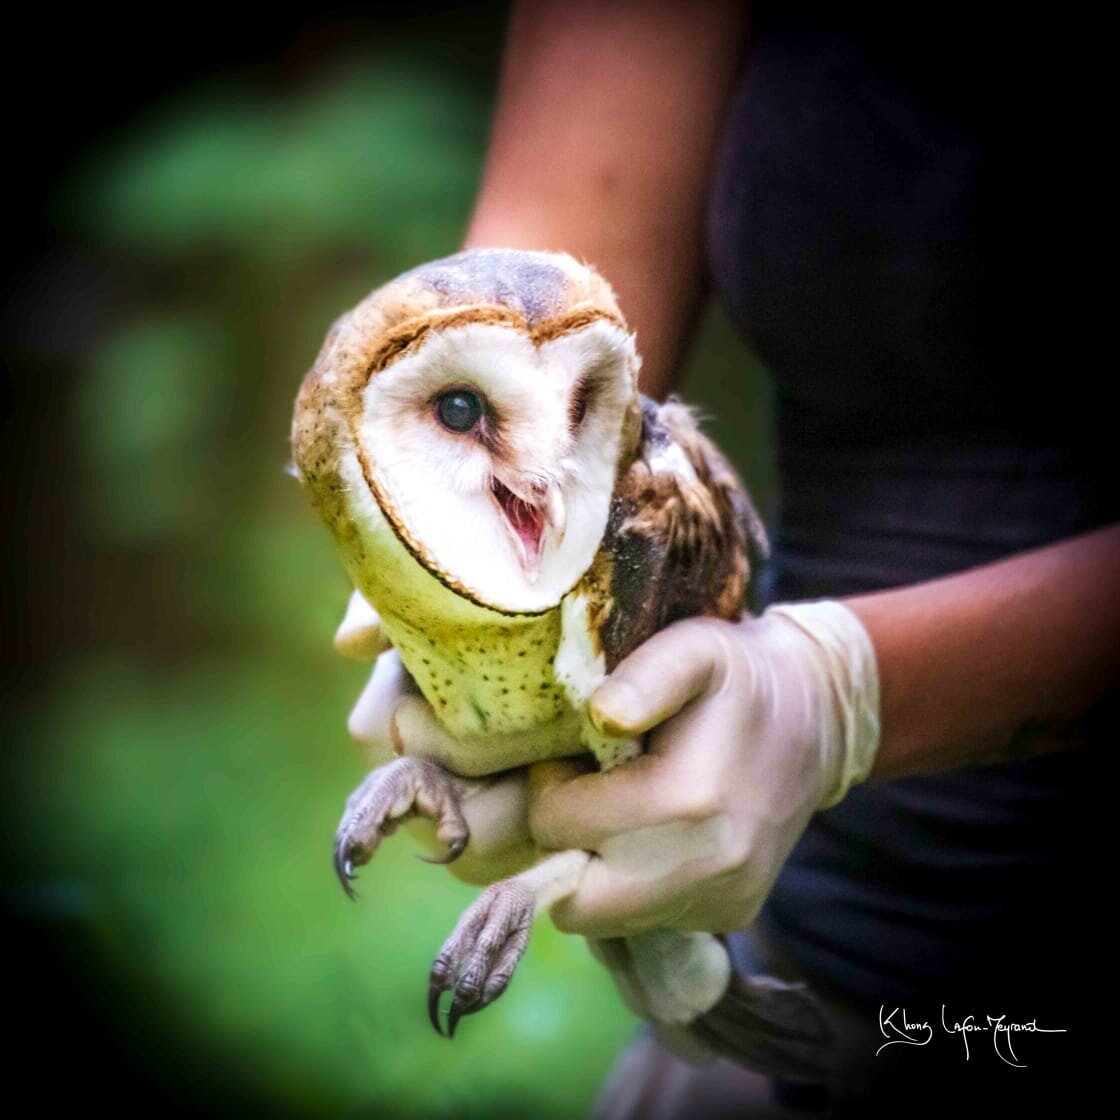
x,y
404,788
478,959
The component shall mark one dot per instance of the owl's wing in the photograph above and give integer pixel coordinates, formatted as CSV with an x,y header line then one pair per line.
x,y
680,542
681,538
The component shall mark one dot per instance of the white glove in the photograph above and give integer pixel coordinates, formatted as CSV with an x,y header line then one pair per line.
x,y
753,726
359,634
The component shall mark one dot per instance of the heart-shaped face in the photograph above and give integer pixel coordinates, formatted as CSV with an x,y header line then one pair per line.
x,y
478,424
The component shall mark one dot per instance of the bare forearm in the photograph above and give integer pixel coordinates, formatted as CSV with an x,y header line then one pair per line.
x,y
983,665
602,147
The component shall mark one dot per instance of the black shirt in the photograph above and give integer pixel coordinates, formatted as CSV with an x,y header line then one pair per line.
x,y
866,232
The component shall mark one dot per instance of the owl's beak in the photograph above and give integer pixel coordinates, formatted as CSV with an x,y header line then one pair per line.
x,y
531,523
555,514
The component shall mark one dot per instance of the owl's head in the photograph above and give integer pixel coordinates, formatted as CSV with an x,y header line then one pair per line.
x,y
475,411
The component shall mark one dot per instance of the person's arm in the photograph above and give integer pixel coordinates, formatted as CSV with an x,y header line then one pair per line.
x,y
989,664
754,726
603,146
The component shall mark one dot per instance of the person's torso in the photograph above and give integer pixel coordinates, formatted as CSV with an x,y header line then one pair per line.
x,y
861,237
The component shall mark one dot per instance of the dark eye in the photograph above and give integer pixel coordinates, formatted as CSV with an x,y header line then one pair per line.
x,y
459,410
578,407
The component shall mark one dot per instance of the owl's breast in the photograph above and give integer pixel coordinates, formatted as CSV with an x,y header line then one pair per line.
x,y
484,682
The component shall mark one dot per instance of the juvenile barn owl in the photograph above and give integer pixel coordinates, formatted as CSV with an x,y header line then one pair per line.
x,y
521,519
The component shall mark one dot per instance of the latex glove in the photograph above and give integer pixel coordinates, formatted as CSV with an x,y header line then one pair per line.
x,y
392,718
359,635
755,726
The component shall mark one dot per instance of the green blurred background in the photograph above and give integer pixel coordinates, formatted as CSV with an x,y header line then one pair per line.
x,y
176,756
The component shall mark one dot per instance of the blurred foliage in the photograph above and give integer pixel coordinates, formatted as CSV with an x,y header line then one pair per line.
x,y
382,158
151,393
200,809
197,755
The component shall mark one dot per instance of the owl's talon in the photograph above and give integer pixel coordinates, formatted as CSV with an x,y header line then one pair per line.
x,y
344,869
478,959
389,795
434,992
458,1009
454,850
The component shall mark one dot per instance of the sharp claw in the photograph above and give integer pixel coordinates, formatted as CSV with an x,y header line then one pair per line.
x,y
454,851
458,1010
435,990
344,869
453,1018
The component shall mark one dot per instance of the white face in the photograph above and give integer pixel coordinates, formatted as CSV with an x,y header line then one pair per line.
x,y
499,457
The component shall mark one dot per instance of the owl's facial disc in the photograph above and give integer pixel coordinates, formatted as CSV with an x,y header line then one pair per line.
x,y
494,456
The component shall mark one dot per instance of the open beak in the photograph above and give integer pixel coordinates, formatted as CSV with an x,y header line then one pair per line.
x,y
531,523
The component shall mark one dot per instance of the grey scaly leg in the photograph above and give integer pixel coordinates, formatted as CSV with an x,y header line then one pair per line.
x,y
477,961
390,795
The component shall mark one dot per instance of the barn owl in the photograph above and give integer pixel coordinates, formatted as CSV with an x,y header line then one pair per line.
x,y
521,519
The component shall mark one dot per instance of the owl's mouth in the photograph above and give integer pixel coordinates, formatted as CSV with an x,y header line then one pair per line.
x,y
529,522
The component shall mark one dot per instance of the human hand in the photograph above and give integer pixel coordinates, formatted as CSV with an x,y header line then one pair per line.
x,y
753,726
391,718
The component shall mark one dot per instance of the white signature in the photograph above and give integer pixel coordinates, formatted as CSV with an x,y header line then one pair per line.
x,y
899,1030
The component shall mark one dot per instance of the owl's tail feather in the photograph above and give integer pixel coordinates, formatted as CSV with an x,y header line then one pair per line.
x,y
701,1008
772,1026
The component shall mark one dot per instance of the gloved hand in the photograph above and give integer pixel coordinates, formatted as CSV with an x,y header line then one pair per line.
x,y
391,718
753,726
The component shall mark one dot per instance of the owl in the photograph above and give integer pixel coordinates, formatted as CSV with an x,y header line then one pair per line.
x,y
521,519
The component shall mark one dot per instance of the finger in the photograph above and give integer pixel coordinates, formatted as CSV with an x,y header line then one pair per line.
x,y
544,776
416,733
663,674
608,903
359,635
496,811
369,719
586,811
647,877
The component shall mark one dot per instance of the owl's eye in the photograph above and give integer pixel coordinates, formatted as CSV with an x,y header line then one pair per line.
x,y
459,410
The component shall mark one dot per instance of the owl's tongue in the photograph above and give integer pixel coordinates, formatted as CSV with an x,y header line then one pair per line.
x,y
526,523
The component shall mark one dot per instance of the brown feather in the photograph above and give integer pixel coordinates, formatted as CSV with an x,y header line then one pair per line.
x,y
674,548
